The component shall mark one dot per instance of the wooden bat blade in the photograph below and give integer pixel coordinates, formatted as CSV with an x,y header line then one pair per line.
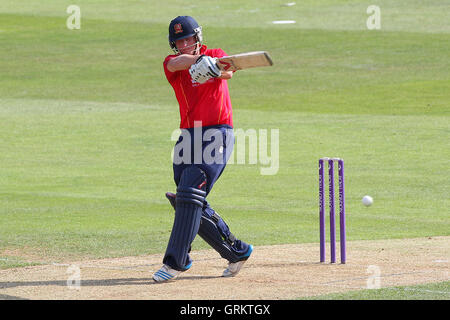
x,y
245,61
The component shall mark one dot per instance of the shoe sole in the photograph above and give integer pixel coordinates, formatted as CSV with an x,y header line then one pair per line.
x,y
245,258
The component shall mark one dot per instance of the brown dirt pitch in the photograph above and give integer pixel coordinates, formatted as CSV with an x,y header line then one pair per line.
x,y
273,272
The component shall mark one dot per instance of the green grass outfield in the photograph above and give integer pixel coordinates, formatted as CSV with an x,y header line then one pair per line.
x,y
87,117
434,291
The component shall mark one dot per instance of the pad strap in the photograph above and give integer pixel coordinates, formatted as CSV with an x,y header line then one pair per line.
x,y
230,238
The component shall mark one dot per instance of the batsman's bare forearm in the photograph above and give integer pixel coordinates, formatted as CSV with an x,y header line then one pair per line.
x,y
226,75
182,62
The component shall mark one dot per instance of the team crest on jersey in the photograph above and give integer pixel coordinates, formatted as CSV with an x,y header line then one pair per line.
x,y
178,28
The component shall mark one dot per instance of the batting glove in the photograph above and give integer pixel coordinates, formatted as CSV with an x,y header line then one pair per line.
x,y
204,69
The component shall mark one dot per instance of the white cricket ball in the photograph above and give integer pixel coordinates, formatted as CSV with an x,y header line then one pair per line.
x,y
367,200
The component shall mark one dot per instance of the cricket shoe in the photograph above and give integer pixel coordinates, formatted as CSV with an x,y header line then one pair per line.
x,y
234,267
166,273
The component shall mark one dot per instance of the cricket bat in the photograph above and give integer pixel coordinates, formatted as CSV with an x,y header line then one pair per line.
x,y
244,61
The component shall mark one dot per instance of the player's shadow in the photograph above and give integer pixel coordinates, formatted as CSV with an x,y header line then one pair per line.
x,y
97,283
8,297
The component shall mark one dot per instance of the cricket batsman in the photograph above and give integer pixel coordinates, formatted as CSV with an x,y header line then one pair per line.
x,y
204,102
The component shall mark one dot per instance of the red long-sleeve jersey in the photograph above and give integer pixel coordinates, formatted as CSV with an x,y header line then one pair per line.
x,y
209,102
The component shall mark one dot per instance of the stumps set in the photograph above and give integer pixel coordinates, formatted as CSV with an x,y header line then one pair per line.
x,y
331,193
